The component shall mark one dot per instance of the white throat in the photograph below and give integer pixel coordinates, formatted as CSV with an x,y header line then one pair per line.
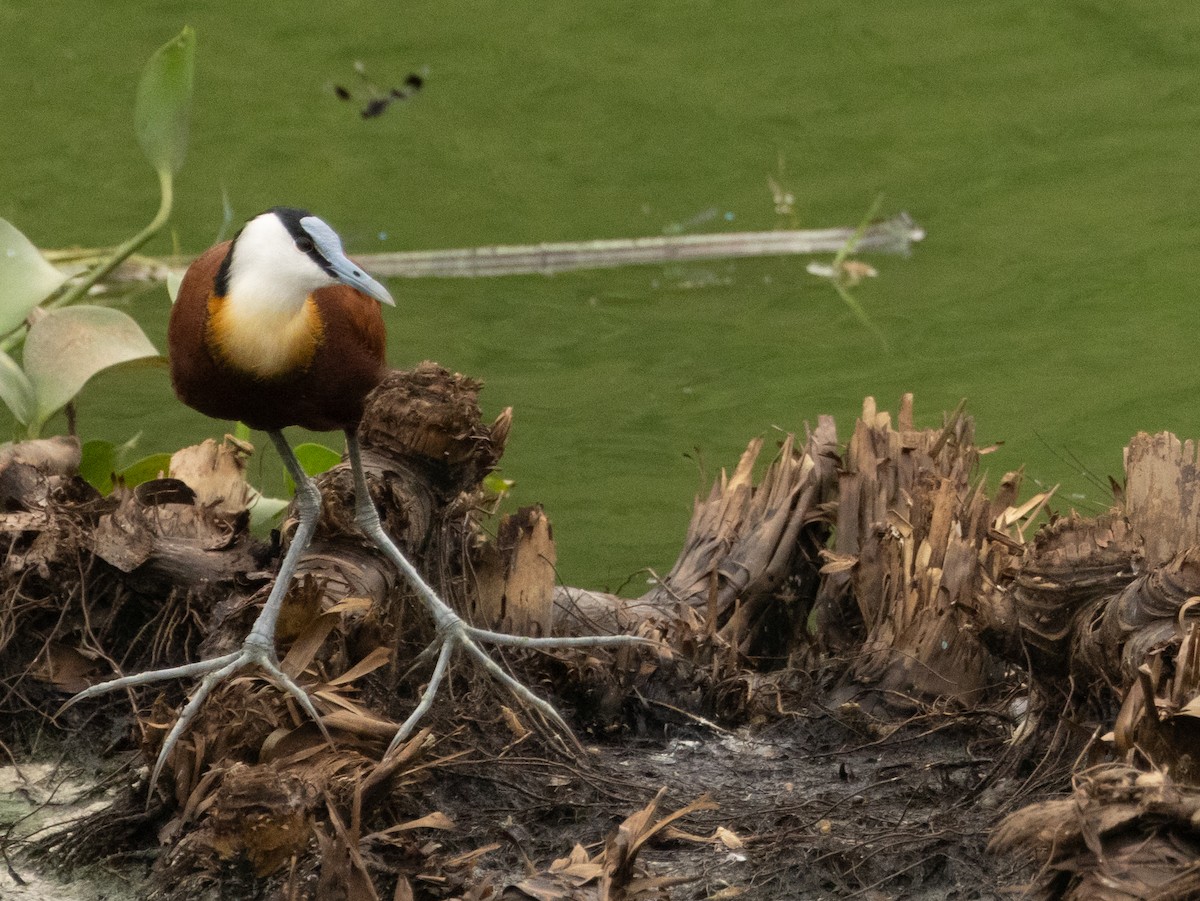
x,y
265,325
268,272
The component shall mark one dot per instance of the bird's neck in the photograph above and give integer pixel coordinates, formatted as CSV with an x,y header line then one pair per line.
x,y
262,331
264,290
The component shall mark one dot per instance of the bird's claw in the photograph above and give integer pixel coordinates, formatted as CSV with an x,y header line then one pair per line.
x,y
258,649
452,631
214,671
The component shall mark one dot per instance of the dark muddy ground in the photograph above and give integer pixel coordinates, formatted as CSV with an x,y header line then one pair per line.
x,y
823,810
807,807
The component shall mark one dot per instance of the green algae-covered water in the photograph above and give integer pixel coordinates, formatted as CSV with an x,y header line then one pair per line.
x,y
1049,150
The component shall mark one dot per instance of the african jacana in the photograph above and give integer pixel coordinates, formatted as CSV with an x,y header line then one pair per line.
x,y
276,328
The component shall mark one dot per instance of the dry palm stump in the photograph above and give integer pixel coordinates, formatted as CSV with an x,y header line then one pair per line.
x,y
867,660
254,795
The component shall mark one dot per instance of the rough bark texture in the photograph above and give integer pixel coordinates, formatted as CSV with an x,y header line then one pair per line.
x,y
515,576
913,527
933,594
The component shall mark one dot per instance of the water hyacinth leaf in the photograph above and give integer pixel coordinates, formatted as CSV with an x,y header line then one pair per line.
x,y
264,511
164,100
98,463
145,469
317,458
26,279
66,347
15,389
314,459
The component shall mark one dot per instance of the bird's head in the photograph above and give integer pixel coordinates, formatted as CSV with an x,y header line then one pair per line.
x,y
288,253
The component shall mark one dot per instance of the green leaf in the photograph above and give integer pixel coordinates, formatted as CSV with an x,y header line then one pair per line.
x,y
314,459
67,347
850,246
494,483
102,461
317,458
15,389
145,469
164,100
264,510
98,463
26,279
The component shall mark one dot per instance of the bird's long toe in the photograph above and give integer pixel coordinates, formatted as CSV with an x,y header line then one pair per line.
x,y
213,671
203,690
186,671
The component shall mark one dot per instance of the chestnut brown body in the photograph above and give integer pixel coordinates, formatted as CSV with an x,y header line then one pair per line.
x,y
339,357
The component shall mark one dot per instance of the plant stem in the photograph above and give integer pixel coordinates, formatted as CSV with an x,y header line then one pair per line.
x,y
122,252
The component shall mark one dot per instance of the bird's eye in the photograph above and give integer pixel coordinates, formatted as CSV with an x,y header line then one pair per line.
x,y
304,244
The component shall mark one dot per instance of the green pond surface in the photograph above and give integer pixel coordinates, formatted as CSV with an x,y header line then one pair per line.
x,y
1050,150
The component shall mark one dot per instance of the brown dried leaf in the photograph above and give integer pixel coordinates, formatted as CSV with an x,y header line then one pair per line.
x,y
676,834
646,884
622,847
641,830
216,473
728,838
435,820
578,867
67,668
544,887
387,767
838,563
515,726
373,661
343,872
312,636
730,891
578,854
580,874
470,857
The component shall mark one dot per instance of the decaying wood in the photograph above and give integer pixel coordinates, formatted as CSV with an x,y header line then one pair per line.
x,y
1073,565
352,628
216,474
747,572
160,536
1162,494
515,576
57,456
742,539
1111,603
1123,834
912,528
890,575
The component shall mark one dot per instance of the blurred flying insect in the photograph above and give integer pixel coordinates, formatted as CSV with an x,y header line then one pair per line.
x,y
379,100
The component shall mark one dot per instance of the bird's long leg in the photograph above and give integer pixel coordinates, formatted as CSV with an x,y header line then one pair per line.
x,y
452,630
259,647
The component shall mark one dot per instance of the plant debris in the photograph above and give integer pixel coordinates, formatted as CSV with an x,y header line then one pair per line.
x,y
865,666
